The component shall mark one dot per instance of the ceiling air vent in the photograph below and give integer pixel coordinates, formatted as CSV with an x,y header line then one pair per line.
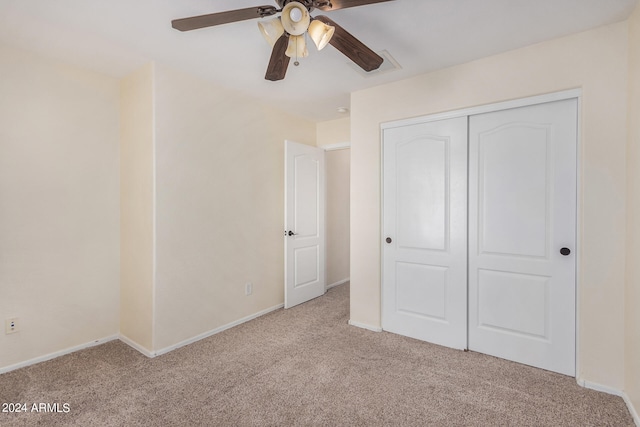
x,y
387,66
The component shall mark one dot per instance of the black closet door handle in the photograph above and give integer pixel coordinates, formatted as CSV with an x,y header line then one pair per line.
x,y
565,251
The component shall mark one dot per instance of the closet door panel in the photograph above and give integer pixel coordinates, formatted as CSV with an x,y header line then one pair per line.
x,y
424,232
522,213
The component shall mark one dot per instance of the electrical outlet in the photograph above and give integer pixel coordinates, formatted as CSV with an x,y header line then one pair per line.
x,y
12,326
248,288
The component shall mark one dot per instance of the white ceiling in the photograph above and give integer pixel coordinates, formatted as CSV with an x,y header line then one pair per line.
x,y
117,36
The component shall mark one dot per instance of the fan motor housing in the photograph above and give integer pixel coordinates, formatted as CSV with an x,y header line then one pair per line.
x,y
309,4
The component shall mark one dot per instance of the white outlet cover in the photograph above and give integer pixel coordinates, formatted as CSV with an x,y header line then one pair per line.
x,y
11,325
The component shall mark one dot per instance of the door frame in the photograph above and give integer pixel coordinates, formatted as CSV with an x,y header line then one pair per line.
x,y
489,108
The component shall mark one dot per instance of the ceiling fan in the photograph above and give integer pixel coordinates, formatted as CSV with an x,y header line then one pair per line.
x,y
286,32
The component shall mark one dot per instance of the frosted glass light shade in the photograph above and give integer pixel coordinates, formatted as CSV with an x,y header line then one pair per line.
x,y
295,18
297,47
272,30
321,33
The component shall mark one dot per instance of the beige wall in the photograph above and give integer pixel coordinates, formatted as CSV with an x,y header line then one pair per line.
x,y
59,202
219,205
337,166
218,163
136,207
595,61
632,356
333,132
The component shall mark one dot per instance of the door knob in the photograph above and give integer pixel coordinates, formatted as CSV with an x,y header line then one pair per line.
x,y
291,233
388,240
565,251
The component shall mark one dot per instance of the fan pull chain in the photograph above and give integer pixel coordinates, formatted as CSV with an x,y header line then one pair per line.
x,y
296,63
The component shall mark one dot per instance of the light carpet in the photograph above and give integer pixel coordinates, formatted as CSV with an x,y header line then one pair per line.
x,y
302,366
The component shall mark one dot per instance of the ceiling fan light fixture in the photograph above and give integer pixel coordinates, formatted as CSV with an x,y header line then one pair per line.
x,y
297,47
272,30
321,33
295,18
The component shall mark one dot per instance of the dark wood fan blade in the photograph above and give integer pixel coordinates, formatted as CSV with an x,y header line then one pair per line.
x,y
279,62
202,21
343,4
352,48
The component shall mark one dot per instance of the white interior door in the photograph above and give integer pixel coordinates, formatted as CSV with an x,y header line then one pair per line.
x,y
304,223
522,213
425,231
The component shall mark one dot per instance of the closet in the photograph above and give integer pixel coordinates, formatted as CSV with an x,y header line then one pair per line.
x,y
479,231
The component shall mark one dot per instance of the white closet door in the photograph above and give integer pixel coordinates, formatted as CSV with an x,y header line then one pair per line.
x,y
522,225
425,231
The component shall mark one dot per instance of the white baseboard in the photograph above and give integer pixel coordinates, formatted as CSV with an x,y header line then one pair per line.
x,y
598,387
217,330
57,354
131,343
338,283
613,391
632,409
365,326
